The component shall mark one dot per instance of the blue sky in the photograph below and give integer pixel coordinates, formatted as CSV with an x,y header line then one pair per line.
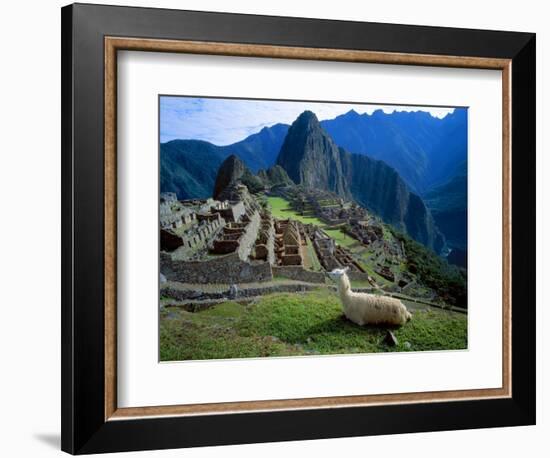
x,y
226,121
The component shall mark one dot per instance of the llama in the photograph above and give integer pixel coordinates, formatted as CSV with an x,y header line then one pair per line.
x,y
363,308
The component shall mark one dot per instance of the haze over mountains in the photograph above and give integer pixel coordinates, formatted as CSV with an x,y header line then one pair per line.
x,y
399,158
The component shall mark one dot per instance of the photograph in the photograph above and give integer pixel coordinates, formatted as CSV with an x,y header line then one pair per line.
x,y
307,228
267,229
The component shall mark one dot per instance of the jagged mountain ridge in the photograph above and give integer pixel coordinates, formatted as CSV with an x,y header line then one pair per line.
x,y
312,159
260,150
424,149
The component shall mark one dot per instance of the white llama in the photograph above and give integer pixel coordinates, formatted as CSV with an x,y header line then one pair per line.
x,y
363,308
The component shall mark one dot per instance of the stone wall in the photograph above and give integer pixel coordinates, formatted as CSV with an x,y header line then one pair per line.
x,y
264,245
220,269
247,240
358,276
232,211
299,273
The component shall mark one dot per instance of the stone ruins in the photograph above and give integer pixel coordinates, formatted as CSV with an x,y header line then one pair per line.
x,y
235,239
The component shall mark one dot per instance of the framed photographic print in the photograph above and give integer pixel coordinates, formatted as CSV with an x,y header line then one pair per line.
x,y
281,228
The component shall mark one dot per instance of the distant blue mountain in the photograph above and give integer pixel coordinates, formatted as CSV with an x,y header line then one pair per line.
x,y
425,150
189,167
260,151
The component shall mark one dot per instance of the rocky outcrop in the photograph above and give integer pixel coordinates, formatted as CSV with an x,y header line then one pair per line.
x,y
312,159
230,171
233,170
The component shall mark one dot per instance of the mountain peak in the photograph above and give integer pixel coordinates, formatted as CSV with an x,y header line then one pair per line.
x,y
307,118
230,171
351,114
305,152
233,159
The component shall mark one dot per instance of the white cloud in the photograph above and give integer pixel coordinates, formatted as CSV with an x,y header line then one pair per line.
x,y
226,121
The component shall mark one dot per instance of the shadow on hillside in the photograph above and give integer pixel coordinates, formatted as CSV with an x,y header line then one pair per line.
x,y
341,324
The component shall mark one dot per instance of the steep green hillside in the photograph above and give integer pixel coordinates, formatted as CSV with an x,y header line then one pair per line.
x,y
448,204
189,167
447,280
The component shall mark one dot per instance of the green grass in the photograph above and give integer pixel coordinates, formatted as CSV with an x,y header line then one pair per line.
x,y
296,324
386,234
341,237
314,263
280,208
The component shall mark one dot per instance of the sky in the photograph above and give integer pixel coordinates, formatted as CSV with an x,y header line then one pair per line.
x,y
226,121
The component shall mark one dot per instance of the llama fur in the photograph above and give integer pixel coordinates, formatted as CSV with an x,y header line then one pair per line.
x,y
364,308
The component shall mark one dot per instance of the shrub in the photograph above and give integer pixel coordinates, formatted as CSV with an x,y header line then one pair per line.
x,y
447,280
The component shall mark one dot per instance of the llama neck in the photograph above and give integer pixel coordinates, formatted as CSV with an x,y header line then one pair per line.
x,y
343,286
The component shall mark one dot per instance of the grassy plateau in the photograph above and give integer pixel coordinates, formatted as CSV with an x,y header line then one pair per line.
x,y
280,208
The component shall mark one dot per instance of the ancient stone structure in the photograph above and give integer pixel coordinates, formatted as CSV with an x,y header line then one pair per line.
x,y
192,236
236,240
264,247
341,213
238,237
172,213
331,255
288,243
188,226
365,232
231,211
221,241
225,269
329,207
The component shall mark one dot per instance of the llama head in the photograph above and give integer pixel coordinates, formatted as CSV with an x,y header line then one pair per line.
x,y
336,274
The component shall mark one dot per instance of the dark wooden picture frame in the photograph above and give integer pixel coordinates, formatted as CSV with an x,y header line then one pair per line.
x,y
91,37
